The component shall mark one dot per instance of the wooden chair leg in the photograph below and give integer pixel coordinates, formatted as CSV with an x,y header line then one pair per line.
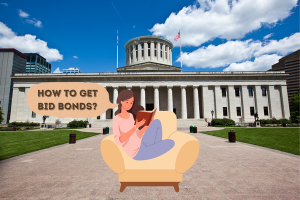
x,y
123,186
176,187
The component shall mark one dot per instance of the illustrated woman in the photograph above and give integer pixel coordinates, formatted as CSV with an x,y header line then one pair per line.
x,y
138,141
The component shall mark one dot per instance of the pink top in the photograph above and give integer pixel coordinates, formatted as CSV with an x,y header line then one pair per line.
x,y
120,126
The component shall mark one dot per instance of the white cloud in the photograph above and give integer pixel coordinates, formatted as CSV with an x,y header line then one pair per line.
x,y
5,4
23,14
267,36
282,47
228,19
262,63
35,22
238,51
27,44
75,57
57,70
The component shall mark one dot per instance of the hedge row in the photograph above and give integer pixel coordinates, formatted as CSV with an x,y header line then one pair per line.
x,y
274,121
223,122
75,123
18,124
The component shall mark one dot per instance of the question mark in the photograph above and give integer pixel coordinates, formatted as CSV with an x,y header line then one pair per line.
x,y
95,105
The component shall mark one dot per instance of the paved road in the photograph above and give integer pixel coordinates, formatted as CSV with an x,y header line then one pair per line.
x,y
223,170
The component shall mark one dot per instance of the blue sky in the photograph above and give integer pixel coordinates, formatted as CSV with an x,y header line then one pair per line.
x,y
221,35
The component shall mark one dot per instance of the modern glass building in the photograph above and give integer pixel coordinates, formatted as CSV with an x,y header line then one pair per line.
x,y
72,70
37,64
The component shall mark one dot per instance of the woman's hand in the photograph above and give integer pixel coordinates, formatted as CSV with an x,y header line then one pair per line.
x,y
140,123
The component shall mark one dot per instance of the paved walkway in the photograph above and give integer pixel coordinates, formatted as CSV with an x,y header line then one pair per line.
x,y
223,170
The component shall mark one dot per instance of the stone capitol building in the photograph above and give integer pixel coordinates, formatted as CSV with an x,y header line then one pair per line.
x,y
192,96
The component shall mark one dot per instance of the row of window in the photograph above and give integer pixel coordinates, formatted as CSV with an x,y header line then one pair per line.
x,y
250,91
238,111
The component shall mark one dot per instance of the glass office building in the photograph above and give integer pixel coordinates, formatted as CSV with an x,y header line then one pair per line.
x,y
37,64
72,70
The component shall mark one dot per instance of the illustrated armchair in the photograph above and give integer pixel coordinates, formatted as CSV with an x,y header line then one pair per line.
x,y
165,170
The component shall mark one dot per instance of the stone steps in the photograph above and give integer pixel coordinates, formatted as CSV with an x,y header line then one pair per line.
x,y
180,123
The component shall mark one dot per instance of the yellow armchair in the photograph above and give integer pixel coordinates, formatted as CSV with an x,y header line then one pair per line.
x,y
165,170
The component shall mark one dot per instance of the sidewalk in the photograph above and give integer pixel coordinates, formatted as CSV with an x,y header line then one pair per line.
x,y
223,170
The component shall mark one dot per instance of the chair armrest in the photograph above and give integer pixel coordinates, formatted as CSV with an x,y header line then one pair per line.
x,y
187,147
112,154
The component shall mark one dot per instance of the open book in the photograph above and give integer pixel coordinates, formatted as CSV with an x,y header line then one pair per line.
x,y
142,114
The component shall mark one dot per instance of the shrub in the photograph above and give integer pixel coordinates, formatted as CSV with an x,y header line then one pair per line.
x,y
281,121
75,123
223,122
18,124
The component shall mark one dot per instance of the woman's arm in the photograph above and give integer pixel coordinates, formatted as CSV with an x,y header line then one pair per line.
x,y
127,135
143,130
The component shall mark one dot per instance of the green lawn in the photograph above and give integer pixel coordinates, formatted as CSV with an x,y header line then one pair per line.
x,y
282,139
21,142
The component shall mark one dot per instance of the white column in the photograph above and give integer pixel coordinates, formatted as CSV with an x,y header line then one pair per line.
x,y
196,102
218,107
134,54
167,61
245,103
170,98
258,101
115,96
152,51
14,105
143,97
171,57
130,61
163,53
205,102
103,116
145,51
231,102
139,53
156,97
284,102
272,107
183,103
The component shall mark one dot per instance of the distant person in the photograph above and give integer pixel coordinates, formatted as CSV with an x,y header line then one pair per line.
x,y
138,141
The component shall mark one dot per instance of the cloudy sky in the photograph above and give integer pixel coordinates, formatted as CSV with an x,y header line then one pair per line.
x,y
216,35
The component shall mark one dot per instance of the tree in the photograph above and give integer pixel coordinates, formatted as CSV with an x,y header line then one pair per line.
x,y
1,113
295,111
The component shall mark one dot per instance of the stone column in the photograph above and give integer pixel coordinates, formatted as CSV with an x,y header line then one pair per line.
x,y
134,54
284,102
245,103
271,102
103,116
156,97
196,102
115,96
218,107
143,97
145,51
163,53
170,56
167,61
170,98
14,105
231,102
129,54
205,102
152,51
183,103
139,52
258,101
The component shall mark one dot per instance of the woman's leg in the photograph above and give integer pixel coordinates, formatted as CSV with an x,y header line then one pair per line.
x,y
152,144
153,134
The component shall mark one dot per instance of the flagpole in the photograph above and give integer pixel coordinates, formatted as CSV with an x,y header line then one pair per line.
x,y
180,48
117,48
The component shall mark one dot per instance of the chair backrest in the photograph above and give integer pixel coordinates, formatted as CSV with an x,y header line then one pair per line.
x,y
168,121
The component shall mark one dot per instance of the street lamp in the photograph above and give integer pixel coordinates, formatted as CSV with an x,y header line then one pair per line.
x,y
212,113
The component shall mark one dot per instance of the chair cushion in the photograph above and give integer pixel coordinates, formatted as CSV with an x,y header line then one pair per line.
x,y
150,175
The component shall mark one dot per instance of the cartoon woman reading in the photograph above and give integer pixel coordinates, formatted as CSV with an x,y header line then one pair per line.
x,y
138,141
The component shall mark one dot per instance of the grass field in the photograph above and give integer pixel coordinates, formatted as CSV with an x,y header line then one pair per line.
x,y
21,142
282,139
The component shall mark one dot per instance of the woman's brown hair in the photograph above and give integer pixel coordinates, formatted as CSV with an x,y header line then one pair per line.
x,y
127,94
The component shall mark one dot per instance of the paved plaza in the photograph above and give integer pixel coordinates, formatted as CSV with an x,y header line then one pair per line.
x,y
222,170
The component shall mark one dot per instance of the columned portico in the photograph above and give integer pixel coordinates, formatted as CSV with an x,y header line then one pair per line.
x,y
170,98
183,103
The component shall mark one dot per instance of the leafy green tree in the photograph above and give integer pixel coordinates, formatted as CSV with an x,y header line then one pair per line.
x,y
295,111
1,113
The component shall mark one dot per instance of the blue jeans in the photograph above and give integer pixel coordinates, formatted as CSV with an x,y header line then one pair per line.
x,y
152,144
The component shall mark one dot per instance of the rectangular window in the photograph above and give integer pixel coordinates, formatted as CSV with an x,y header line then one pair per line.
x,y
223,92
136,54
161,54
250,91
155,44
142,45
264,91
237,92
224,111
136,47
238,111
161,46
155,53
266,112
148,52
252,111
142,53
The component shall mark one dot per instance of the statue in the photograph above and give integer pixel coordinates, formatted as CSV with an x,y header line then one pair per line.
x,y
44,119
